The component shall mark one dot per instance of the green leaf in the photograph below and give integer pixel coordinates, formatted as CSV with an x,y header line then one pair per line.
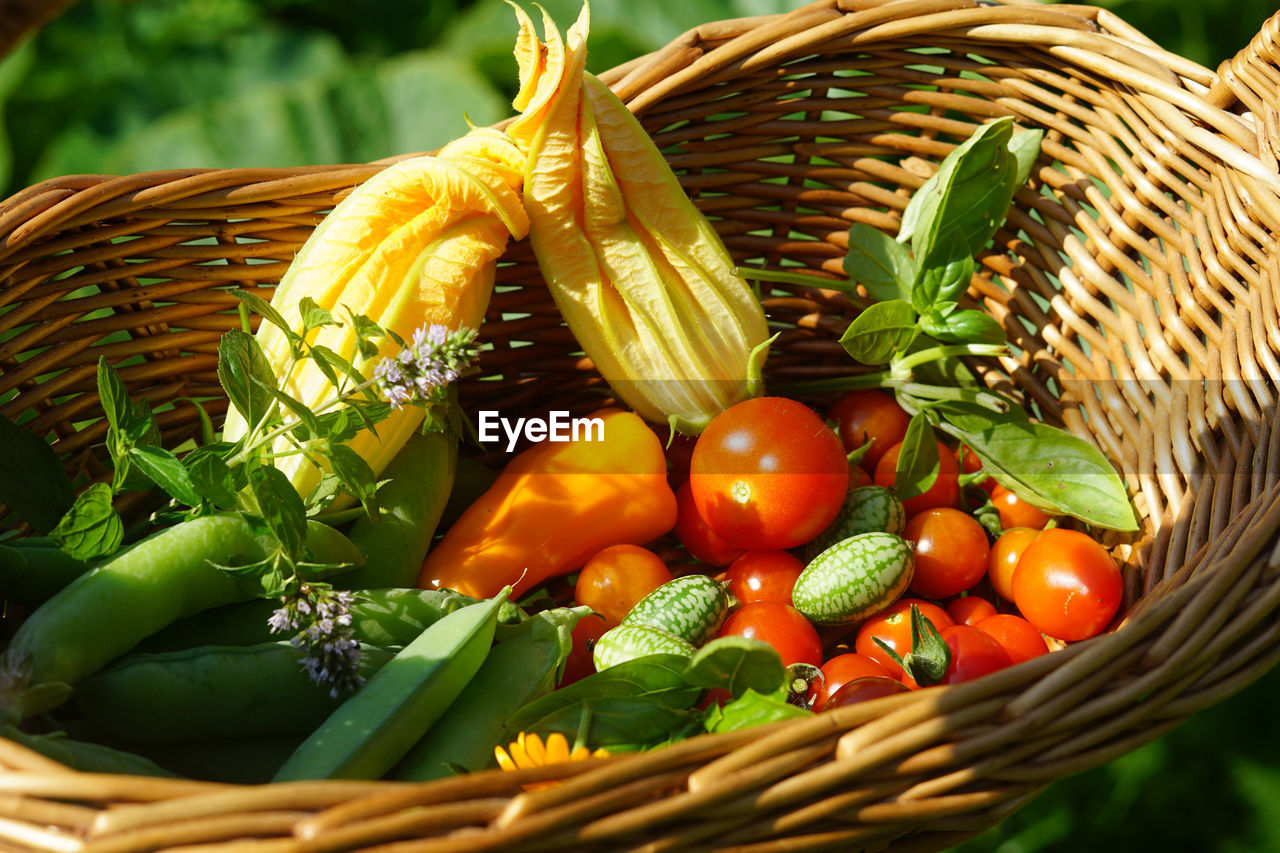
x,y
33,482
938,287
114,395
640,701
879,263
91,528
166,471
753,709
263,579
968,326
367,332
917,468
240,362
1025,147
736,664
1053,470
930,656
356,476
305,416
264,309
281,508
880,332
211,477
313,316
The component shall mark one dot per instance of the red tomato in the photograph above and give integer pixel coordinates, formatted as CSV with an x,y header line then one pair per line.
x,y
969,463
869,415
1005,554
840,670
970,610
579,664
952,551
864,690
615,579
1015,512
858,476
779,625
763,576
973,654
1018,636
893,626
768,474
1067,585
945,490
700,541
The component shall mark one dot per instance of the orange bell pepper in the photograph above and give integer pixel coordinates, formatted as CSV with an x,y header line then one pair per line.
x,y
553,507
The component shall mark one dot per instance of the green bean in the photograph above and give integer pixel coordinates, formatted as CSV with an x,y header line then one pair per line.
x,y
521,668
210,692
32,570
86,757
106,612
419,480
379,617
374,728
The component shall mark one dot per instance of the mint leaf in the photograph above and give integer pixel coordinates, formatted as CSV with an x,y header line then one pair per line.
x,y
91,528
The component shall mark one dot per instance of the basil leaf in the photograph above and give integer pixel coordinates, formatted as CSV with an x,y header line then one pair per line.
x,y
936,287
281,508
1025,147
166,471
753,709
736,664
1053,470
240,362
964,327
880,332
91,528
879,263
33,482
917,468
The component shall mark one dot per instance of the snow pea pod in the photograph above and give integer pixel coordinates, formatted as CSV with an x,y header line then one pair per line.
x,y
85,756
32,570
106,612
210,692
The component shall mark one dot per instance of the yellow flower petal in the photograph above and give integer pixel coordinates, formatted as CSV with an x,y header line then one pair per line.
x,y
557,748
520,756
504,760
535,749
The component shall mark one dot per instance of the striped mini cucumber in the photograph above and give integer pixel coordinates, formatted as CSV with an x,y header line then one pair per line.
x,y
692,608
854,579
627,642
867,509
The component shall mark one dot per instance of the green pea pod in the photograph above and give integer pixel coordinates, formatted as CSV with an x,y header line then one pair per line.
x,y
85,757
33,570
377,725
419,480
210,692
521,668
235,760
379,617
106,612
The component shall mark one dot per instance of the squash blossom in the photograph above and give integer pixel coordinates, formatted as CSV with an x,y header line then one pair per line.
x,y
416,245
642,279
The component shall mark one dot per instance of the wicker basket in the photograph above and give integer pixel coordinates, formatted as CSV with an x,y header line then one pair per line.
x,y
1137,278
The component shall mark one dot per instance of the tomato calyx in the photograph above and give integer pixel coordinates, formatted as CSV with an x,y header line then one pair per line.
x,y
930,656
800,680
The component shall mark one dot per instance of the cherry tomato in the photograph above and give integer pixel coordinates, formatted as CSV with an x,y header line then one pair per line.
x,y
952,551
763,576
970,610
973,654
840,670
945,490
969,463
615,579
768,474
579,663
779,625
700,541
869,415
1015,512
1067,585
863,690
858,476
1018,636
893,626
1005,554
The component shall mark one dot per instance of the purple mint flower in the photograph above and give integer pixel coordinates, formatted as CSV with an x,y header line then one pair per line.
x,y
320,619
434,358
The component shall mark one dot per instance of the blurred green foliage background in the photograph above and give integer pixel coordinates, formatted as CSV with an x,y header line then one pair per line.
x,y
122,86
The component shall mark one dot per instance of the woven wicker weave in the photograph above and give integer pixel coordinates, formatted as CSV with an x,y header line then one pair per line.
x,y
1137,278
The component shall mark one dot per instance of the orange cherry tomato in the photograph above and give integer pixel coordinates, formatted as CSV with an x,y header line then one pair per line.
x,y
579,663
615,579
781,626
973,654
969,463
863,690
1018,636
970,610
840,670
893,626
1015,512
1067,585
869,415
763,576
952,551
945,490
858,476
1005,554
700,541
